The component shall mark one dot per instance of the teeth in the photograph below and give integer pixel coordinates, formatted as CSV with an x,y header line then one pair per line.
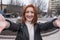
x,y
29,16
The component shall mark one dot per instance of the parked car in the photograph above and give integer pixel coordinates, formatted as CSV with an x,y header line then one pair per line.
x,y
10,15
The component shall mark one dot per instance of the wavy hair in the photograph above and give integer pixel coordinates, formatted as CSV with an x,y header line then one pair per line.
x,y
35,13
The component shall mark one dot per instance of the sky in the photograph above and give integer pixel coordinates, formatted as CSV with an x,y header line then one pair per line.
x,y
6,2
22,1
26,1
44,5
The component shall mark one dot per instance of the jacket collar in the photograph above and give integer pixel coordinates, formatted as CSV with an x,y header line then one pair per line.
x,y
26,29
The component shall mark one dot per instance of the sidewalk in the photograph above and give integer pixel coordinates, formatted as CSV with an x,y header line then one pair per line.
x,y
55,36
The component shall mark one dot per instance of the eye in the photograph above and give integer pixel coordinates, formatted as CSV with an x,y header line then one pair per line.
x,y
27,12
32,12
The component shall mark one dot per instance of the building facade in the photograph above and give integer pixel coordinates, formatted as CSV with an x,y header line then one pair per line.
x,y
54,7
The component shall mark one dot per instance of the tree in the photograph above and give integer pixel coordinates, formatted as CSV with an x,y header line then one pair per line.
x,y
42,7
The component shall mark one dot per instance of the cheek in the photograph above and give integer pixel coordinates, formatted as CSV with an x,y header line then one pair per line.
x,y
26,14
29,15
32,14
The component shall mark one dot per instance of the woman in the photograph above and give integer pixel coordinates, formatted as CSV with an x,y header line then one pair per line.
x,y
29,29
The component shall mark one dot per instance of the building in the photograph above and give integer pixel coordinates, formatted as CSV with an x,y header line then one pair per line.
x,y
10,6
53,7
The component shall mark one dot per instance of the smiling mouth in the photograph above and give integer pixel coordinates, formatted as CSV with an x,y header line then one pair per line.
x,y
29,17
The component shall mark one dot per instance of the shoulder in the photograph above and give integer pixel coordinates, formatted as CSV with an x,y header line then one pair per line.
x,y
38,23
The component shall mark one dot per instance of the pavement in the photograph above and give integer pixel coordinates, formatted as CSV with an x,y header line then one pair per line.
x,y
55,36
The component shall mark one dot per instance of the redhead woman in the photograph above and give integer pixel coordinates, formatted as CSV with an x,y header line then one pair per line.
x,y
28,29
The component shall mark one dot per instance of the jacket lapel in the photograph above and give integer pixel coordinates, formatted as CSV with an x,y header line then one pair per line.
x,y
26,30
35,27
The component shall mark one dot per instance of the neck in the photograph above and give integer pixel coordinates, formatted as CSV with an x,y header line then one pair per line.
x,y
28,22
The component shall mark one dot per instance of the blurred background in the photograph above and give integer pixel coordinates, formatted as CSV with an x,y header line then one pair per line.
x,y
47,10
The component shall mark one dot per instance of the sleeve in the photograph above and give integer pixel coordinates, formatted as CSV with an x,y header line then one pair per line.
x,y
13,26
47,25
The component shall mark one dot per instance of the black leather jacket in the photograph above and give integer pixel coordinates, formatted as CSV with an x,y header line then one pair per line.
x,y
23,31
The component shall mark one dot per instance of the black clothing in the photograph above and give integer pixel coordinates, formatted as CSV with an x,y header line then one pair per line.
x,y
22,30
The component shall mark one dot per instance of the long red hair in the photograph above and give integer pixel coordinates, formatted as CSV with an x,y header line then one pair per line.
x,y
35,13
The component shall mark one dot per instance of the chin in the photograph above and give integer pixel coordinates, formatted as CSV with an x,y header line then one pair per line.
x,y
29,19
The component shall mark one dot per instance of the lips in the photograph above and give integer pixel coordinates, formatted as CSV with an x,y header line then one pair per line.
x,y
29,17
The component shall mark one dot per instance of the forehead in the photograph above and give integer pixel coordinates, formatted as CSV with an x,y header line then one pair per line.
x,y
30,8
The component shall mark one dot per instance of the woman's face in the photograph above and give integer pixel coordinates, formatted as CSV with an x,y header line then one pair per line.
x,y
29,14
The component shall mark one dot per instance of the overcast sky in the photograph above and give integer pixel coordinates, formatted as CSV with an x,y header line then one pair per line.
x,y
6,1
20,1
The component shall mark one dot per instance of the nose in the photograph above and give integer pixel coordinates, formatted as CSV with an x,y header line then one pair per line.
x,y
29,13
